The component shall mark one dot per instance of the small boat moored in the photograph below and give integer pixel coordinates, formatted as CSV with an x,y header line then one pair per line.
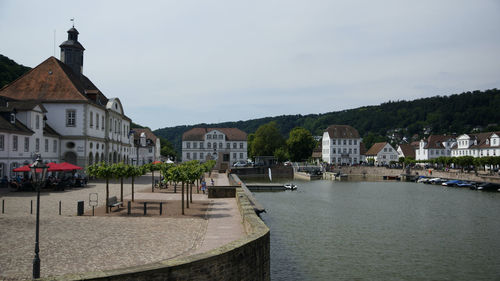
x,y
290,186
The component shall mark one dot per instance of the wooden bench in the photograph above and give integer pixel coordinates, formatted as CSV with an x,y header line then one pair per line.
x,y
113,202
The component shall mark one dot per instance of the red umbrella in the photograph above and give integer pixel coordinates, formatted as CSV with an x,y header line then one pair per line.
x,y
26,168
157,162
65,166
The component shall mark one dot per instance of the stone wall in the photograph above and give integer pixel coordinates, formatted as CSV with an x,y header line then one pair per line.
x,y
277,172
221,191
247,258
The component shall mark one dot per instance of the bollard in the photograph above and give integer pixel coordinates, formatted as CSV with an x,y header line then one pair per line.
x,y
59,207
79,211
129,207
92,210
31,209
161,207
145,208
3,206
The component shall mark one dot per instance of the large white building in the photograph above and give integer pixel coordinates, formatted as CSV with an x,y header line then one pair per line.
x,y
87,126
341,145
477,145
226,145
435,146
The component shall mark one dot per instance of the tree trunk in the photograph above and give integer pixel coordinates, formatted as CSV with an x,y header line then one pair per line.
x,y
107,195
197,186
121,189
182,197
153,181
191,192
175,187
133,189
187,194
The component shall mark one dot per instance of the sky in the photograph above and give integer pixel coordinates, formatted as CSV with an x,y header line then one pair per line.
x,y
188,62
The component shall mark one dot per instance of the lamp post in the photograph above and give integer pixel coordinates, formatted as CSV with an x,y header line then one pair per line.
x,y
38,172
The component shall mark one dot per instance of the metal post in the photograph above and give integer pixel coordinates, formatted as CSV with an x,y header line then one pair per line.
x,y
145,208
161,207
31,208
36,260
3,206
59,207
93,210
129,207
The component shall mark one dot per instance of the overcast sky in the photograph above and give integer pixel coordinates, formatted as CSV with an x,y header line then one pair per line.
x,y
187,62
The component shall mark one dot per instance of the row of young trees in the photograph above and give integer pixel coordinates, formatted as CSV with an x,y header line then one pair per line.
x,y
464,162
186,173
268,141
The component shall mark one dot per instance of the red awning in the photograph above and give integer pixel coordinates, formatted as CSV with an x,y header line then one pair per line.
x,y
65,166
26,168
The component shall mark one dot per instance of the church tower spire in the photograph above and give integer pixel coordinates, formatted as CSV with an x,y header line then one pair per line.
x,y
72,51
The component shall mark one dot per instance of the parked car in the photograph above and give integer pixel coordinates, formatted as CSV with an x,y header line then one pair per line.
x,y
240,163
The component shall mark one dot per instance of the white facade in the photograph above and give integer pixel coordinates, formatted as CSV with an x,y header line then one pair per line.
x,y
146,147
435,146
383,154
215,144
477,145
341,145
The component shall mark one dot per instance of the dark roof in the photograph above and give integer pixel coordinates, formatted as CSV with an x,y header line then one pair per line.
x,y
197,134
408,150
436,141
375,149
49,131
482,138
72,43
342,132
52,81
149,134
17,127
21,106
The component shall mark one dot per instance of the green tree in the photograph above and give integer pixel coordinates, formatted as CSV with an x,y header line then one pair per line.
x,y
102,171
300,144
167,149
267,140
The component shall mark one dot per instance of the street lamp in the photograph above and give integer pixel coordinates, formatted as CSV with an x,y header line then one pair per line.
x,y
38,172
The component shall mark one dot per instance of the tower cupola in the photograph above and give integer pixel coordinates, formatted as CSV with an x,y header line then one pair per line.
x,y
72,51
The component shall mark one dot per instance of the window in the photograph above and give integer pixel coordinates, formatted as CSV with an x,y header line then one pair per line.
x,y
209,137
151,150
234,155
201,145
241,155
220,145
355,150
54,148
110,124
37,121
116,127
188,145
26,144
355,160
209,145
2,142
188,155
70,118
215,145
97,120
221,137
334,151
201,155
385,149
37,145
12,118
350,142
91,119
228,145
338,160
195,155
14,143
46,145
234,145
350,150
345,142
241,145
334,141
195,144
355,143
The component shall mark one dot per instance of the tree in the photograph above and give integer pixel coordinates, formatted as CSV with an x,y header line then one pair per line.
x,y
300,144
102,171
267,140
167,149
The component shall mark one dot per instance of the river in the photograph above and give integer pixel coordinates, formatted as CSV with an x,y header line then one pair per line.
x,y
382,231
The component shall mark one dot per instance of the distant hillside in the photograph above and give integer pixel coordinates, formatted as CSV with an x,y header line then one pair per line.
x,y
459,113
10,70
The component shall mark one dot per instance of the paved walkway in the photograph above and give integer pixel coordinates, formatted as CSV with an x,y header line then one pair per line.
x,y
71,244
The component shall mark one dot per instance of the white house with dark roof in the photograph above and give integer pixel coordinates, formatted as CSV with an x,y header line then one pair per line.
x,y
226,145
146,147
92,127
341,145
435,146
382,153
477,145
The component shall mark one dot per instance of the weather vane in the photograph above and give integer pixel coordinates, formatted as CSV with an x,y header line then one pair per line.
x,y
73,20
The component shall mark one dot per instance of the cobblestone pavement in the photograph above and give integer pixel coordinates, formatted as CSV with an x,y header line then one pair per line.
x,y
72,244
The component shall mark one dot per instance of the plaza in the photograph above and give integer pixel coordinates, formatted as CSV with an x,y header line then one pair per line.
x,y
71,244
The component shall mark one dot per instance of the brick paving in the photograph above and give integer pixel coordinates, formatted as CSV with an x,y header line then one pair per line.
x,y
73,244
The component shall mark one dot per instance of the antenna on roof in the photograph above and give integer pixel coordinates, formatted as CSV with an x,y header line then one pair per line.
x,y
73,20
54,42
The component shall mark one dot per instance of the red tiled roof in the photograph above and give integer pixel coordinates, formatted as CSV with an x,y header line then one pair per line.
x,y
197,134
436,141
342,132
52,80
149,134
376,147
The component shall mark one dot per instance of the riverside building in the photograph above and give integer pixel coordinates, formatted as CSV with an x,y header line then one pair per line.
x,y
80,124
341,145
226,145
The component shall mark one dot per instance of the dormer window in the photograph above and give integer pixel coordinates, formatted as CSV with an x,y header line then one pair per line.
x,y
12,118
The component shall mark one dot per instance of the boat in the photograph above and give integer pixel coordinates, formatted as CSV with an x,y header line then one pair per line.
x,y
290,186
438,181
422,179
488,186
452,183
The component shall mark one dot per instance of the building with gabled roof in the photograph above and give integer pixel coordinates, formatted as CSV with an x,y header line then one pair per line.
x,y
435,146
341,145
477,145
382,153
226,145
406,150
146,147
92,128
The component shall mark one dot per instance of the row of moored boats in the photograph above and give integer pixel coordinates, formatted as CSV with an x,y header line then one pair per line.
x,y
485,186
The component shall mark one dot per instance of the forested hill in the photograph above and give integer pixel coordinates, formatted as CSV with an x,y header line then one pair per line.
x,y
459,113
10,70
